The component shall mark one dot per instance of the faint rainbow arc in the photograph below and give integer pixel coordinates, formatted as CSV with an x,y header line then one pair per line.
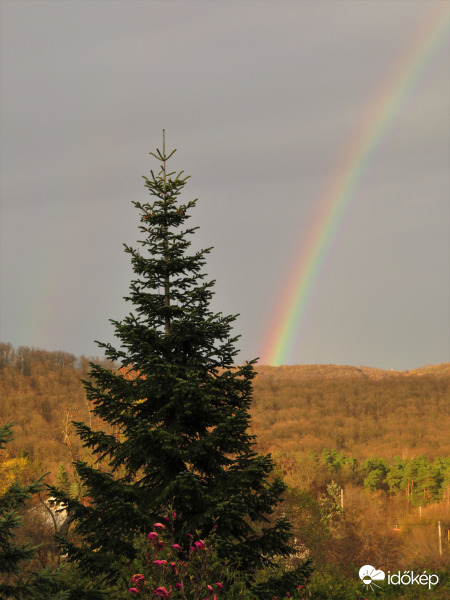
x,y
339,190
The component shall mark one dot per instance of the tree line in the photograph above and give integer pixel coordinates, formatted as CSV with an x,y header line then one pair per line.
x,y
419,480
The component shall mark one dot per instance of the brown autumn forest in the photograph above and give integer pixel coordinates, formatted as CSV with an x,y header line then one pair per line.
x,y
358,410
365,452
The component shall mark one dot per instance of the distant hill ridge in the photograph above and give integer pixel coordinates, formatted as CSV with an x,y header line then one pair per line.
x,y
341,371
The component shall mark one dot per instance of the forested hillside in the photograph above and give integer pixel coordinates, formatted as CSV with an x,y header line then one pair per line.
x,y
365,454
41,392
360,412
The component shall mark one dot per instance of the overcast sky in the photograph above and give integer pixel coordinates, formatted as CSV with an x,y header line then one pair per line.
x,y
260,98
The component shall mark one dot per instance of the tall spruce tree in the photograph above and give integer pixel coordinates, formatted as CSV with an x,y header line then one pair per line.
x,y
179,408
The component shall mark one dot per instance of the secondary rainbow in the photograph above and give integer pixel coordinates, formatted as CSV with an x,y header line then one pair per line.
x,y
339,191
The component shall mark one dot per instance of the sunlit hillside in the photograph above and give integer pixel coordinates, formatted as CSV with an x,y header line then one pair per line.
x,y
358,410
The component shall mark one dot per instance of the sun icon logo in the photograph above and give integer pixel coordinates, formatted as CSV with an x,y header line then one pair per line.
x,y
369,575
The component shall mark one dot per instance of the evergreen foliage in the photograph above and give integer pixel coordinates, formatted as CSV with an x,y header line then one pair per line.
x,y
179,408
289,580
15,581
63,480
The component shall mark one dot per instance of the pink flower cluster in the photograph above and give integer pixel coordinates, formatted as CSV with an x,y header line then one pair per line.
x,y
137,580
177,568
161,592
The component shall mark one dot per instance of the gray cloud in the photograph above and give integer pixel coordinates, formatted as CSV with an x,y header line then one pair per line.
x,y
261,98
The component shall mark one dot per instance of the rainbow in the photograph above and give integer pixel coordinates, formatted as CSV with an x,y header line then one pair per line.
x,y
339,192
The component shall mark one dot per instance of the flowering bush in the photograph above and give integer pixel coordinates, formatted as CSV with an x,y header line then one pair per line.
x,y
167,568
190,571
181,569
